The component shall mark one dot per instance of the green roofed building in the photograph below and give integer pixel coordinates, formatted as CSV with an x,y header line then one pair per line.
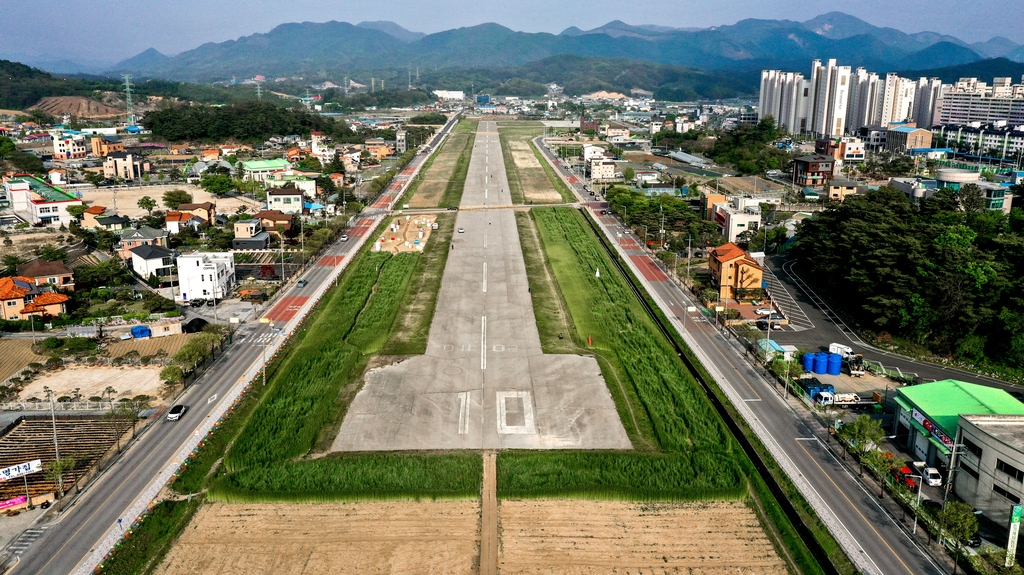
x,y
927,415
258,170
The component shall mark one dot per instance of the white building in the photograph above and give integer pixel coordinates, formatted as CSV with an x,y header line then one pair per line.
x,y
205,275
69,146
733,220
898,101
320,147
592,153
602,170
927,101
450,94
287,200
153,261
972,101
990,469
996,139
38,202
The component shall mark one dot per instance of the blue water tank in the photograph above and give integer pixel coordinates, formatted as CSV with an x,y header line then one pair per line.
x,y
808,362
821,362
835,364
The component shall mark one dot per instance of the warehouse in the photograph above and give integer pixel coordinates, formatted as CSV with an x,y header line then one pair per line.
x,y
927,415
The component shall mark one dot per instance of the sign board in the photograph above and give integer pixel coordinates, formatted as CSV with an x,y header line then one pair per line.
x,y
933,429
13,502
20,469
1011,543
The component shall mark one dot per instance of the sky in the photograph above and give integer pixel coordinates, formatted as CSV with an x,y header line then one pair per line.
x,y
107,31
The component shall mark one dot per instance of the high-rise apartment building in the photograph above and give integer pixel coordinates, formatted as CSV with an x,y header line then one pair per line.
x,y
926,102
970,101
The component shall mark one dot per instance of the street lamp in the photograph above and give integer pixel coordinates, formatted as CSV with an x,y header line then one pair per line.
x,y
917,507
265,342
56,445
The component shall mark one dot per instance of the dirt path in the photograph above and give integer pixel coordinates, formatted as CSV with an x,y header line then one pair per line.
x,y
489,517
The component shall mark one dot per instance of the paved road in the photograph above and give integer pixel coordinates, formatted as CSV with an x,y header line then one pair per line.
x,y
875,543
66,543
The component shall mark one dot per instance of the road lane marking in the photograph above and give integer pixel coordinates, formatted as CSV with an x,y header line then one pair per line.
x,y
483,342
485,277
212,399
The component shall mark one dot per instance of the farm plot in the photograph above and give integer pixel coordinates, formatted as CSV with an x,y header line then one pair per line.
x,y
527,179
169,345
15,354
317,539
93,381
604,537
434,180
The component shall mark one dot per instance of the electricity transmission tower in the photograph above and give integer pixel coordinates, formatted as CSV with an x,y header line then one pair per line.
x,y
130,112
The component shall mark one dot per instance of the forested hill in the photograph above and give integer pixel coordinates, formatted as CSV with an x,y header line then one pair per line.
x,y
946,274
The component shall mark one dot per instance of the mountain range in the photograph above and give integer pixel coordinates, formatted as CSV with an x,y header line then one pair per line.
x,y
748,45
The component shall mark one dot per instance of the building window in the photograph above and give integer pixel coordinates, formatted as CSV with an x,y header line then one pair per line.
x,y
969,470
972,448
12,303
1000,491
1010,470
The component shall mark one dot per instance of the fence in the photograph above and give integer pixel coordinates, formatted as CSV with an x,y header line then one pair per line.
x,y
58,406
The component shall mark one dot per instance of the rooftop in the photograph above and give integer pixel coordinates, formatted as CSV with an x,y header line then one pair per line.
x,y
1008,429
143,233
41,190
944,401
39,268
150,252
258,165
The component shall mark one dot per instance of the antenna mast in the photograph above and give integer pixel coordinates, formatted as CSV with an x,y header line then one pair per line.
x,y
259,92
130,116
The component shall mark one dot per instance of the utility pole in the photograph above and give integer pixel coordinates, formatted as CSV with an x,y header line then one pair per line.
x,y
410,79
56,445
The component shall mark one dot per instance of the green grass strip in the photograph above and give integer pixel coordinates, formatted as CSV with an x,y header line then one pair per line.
x,y
374,324
515,185
457,183
695,476
563,190
357,477
466,126
149,542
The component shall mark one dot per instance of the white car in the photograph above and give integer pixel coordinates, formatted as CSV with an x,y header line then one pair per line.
x,y
763,311
933,477
462,230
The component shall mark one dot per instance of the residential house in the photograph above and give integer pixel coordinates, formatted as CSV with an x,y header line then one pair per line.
x,y
275,222
205,210
113,223
613,131
813,170
205,275
295,154
735,218
378,148
38,202
154,261
733,269
211,155
57,176
258,170
249,235
68,146
103,146
90,215
21,298
144,236
124,165
42,273
321,148
847,149
838,188
174,222
292,178
287,200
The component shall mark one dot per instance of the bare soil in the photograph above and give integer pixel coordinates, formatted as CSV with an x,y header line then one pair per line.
x,y
127,199
169,345
91,381
77,106
15,355
404,240
435,178
537,187
314,539
26,242
604,537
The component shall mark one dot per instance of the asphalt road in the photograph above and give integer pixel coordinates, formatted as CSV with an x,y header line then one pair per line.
x,y
877,543
68,540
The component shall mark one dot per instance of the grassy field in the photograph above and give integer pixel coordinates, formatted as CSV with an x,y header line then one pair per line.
x,y
548,306
429,186
563,190
466,126
457,182
515,184
359,477
412,324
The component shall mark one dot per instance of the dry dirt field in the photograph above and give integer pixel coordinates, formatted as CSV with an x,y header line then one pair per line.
x,y
170,344
91,381
319,539
128,199
435,179
408,232
27,241
536,186
15,354
605,537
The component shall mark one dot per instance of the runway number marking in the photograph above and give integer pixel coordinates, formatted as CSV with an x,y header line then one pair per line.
x,y
498,347
483,342
515,412
449,348
463,412
212,399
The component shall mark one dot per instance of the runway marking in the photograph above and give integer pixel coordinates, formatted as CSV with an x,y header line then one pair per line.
x,y
485,277
463,412
515,413
449,348
498,347
483,342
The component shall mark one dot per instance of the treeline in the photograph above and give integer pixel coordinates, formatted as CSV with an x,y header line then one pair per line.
x,y
946,274
23,86
335,98
681,222
243,122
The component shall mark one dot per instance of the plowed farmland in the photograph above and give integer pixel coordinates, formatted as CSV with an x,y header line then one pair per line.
x,y
15,354
170,345
291,539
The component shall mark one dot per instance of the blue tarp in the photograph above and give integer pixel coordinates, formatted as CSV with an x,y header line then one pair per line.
x,y
140,332
312,206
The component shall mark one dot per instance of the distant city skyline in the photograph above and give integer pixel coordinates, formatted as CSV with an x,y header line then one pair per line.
x,y
104,31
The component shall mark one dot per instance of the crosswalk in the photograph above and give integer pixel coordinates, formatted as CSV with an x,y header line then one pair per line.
x,y
21,544
798,320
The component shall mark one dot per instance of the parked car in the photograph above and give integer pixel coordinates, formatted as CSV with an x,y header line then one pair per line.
x,y
211,302
933,477
762,324
301,283
197,302
764,311
175,413
975,541
344,237
453,208
462,230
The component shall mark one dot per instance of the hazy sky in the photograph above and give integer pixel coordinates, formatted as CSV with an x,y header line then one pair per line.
x,y
109,30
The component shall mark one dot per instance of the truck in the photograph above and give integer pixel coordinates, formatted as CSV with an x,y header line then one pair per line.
x,y
813,387
843,350
855,363
845,399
